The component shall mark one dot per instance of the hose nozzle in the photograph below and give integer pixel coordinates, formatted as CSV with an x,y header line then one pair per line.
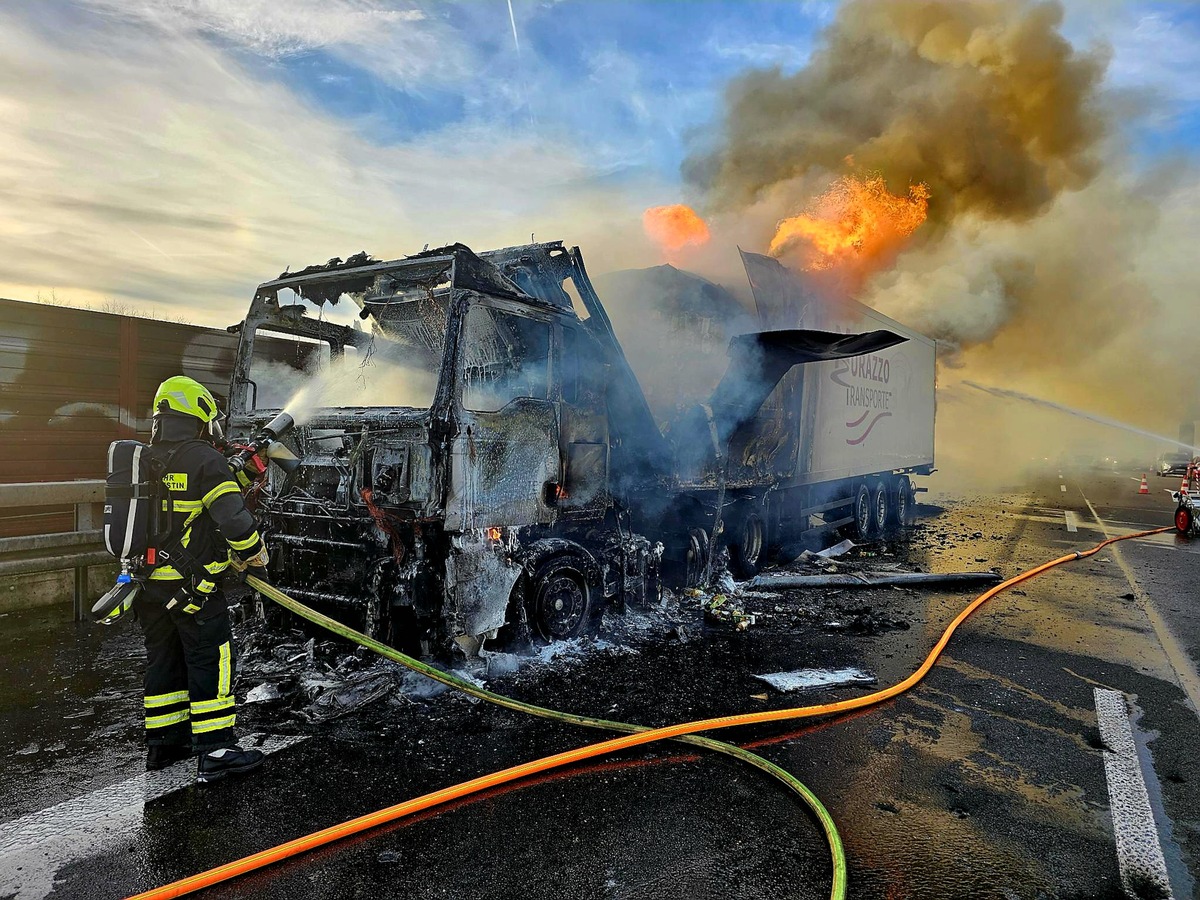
x,y
277,427
267,439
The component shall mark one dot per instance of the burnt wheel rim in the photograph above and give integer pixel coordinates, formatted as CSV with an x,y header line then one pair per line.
x,y
697,557
561,607
752,540
881,509
1183,520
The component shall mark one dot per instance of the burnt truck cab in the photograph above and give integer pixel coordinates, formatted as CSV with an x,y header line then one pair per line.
x,y
485,496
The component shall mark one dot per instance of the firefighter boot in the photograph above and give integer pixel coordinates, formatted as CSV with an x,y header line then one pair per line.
x,y
216,764
159,756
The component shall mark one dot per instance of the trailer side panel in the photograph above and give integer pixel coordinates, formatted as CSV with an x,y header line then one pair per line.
x,y
872,413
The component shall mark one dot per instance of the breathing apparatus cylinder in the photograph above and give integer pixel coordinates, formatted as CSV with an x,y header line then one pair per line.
x,y
134,518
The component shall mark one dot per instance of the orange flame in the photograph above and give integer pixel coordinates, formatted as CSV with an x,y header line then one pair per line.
x,y
674,227
856,222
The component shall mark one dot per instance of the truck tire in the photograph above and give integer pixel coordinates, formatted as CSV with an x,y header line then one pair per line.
x,y
903,502
864,519
881,507
747,553
695,558
560,604
1183,520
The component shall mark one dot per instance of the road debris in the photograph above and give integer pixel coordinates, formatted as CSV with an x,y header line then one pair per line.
x,y
264,693
839,549
806,679
874,579
332,697
720,608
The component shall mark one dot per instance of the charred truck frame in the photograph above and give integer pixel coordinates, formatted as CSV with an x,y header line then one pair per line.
x,y
516,491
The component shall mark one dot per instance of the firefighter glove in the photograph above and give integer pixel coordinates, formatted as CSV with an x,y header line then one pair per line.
x,y
258,561
190,598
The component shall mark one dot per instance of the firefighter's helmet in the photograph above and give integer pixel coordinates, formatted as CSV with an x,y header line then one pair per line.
x,y
185,396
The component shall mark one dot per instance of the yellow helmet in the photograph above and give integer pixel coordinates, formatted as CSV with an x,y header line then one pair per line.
x,y
186,396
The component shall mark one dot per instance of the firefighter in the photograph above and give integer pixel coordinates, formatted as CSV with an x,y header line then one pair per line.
x,y
189,675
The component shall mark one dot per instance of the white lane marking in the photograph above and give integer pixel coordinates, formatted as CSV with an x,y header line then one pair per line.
x,y
1185,671
1054,518
1072,523
1063,488
1139,853
1148,542
34,848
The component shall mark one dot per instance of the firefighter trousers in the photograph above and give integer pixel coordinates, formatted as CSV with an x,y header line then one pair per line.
x,y
189,670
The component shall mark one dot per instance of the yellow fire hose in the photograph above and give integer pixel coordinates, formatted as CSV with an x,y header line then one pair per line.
x,y
635,735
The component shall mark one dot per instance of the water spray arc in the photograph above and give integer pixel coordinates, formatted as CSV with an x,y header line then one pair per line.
x,y
1008,394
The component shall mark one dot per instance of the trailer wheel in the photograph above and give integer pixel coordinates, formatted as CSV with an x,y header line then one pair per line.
x,y
750,549
903,502
561,604
881,507
1183,520
864,519
696,558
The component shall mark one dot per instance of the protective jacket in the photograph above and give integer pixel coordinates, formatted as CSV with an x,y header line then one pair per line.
x,y
191,661
208,516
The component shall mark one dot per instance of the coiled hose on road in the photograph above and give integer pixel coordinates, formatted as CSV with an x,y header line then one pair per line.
x,y
635,735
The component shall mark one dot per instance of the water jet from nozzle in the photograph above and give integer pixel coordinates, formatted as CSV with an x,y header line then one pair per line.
x,y
1009,394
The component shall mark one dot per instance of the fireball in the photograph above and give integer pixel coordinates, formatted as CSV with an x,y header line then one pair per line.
x,y
856,223
674,227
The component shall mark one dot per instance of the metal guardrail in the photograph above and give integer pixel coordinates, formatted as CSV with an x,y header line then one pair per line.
x,y
78,549
51,493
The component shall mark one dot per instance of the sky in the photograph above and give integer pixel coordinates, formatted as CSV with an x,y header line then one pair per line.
x,y
172,154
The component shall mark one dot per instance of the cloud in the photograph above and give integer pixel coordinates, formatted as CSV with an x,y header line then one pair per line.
x,y
141,162
1156,52
402,46
1152,74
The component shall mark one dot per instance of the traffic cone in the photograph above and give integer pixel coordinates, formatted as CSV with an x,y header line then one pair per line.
x,y
1145,488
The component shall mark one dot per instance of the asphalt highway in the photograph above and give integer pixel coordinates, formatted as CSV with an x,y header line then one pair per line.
x,y
987,781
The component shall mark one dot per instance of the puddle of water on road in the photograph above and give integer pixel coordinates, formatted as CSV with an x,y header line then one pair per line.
x,y
957,742
36,847
918,839
1075,713
1181,880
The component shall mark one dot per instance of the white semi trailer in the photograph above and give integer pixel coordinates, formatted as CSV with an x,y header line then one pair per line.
x,y
835,445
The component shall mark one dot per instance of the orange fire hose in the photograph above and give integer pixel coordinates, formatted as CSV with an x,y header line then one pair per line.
x,y
436,798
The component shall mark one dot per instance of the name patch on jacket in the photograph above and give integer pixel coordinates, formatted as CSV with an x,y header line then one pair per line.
x,y
175,481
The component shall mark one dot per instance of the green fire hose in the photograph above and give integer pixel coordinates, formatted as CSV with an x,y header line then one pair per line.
x,y
838,888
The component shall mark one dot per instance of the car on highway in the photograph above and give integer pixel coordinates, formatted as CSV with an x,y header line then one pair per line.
x,y
1172,462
